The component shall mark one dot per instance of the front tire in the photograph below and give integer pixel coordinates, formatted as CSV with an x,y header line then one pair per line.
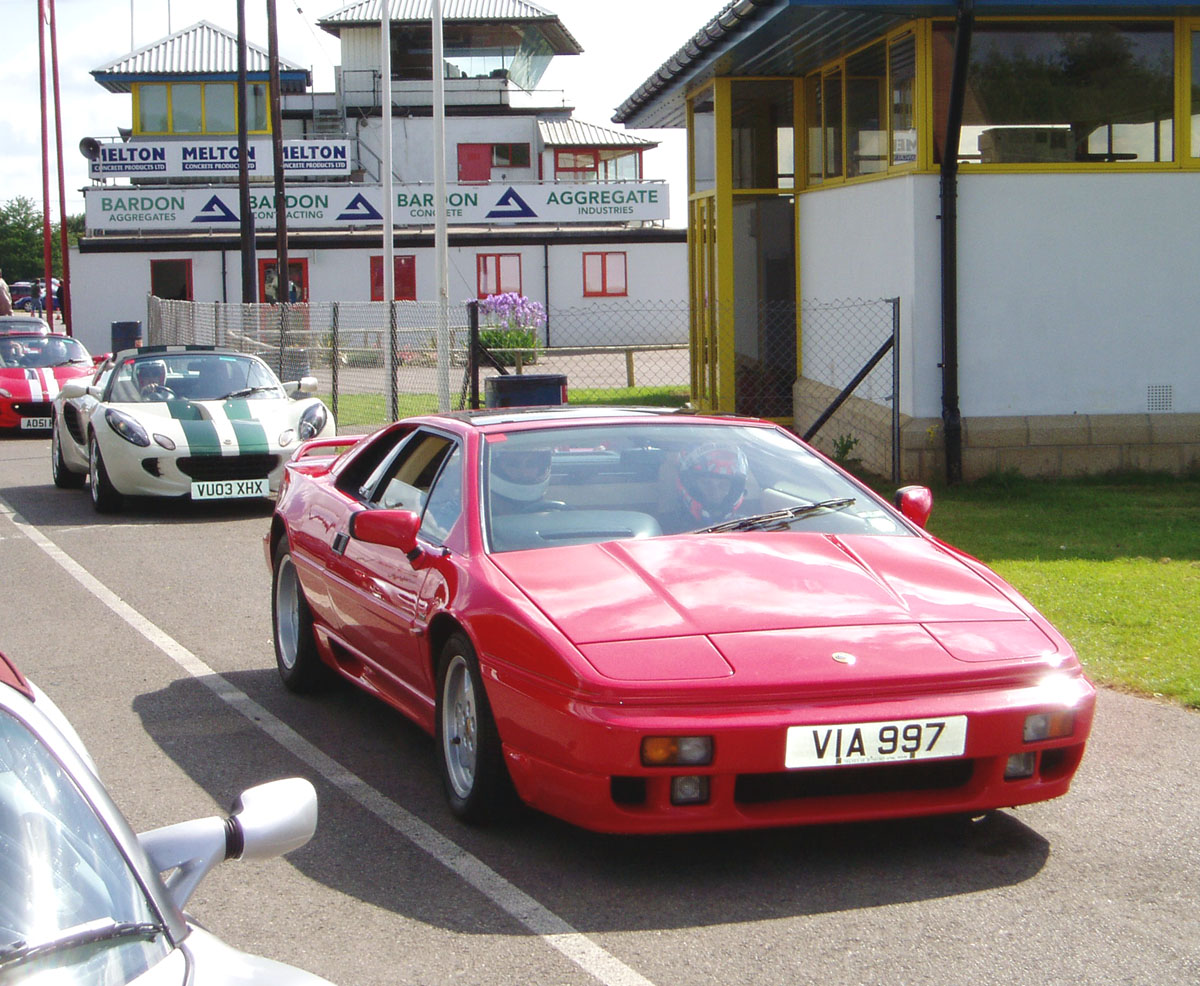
x,y
300,666
470,758
64,479
105,497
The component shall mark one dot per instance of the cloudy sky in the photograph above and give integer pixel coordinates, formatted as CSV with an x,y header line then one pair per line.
x,y
624,41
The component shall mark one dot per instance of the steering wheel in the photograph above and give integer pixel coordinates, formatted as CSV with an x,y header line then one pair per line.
x,y
157,392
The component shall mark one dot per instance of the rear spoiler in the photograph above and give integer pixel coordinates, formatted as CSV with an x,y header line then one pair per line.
x,y
314,445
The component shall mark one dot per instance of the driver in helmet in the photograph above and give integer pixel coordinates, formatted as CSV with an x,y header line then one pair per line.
x,y
711,484
151,379
519,478
11,352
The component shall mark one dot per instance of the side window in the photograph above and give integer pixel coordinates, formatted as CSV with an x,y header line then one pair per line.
x,y
356,478
444,503
404,482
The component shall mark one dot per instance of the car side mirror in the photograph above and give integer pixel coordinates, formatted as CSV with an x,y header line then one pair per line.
x,y
915,503
305,385
267,821
390,528
72,389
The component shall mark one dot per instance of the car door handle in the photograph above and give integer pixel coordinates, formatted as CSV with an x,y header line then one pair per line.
x,y
340,542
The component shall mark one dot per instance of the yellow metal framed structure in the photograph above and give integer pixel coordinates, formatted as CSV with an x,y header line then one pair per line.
x,y
136,89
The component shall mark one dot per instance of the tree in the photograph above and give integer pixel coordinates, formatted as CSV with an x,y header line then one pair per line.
x,y
21,256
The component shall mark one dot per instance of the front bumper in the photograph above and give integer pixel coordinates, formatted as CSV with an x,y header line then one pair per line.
x,y
582,763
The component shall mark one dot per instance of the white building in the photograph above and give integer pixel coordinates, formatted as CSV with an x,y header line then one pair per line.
x,y
537,203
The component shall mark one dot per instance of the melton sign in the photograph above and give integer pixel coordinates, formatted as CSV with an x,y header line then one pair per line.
x,y
202,158
355,206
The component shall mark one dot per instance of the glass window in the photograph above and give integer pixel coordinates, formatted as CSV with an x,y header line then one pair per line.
x,y
1056,93
152,109
620,165
510,155
813,116
866,120
831,87
187,108
902,69
604,275
220,108
61,873
258,108
498,273
444,503
761,134
1195,111
577,164
703,140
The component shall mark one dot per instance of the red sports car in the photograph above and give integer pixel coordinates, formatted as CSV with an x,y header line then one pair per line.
x,y
33,367
645,621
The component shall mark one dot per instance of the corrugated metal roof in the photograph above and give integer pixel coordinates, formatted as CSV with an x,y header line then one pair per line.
x,y
574,133
203,49
363,11
482,11
790,37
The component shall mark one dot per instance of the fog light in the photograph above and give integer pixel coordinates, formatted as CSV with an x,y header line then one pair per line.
x,y
1048,725
691,790
1020,766
665,751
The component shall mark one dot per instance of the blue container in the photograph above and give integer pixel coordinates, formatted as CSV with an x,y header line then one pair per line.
x,y
525,390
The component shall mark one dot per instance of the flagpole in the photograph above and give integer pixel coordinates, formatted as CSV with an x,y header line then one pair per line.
x,y
441,249
385,183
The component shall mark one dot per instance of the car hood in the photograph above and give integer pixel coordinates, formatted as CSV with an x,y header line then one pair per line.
x,y
214,963
216,427
39,383
701,606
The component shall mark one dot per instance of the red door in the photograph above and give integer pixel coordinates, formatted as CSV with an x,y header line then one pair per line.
x,y
474,162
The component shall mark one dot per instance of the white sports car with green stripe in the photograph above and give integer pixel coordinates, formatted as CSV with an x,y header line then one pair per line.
x,y
183,421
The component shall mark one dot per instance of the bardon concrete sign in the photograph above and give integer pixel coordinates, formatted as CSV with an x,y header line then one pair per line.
x,y
217,158
141,209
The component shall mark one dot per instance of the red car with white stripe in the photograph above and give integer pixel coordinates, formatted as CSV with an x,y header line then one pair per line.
x,y
33,368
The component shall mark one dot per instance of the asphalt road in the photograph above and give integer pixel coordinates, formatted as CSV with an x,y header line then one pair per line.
x,y
151,630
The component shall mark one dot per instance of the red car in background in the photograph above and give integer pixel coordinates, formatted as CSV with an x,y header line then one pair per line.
x,y
650,621
33,368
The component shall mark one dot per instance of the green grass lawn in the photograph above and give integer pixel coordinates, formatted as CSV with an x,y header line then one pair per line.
x,y
359,412
1113,563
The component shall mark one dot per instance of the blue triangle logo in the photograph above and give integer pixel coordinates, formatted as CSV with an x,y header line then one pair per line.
x,y
511,206
360,210
215,211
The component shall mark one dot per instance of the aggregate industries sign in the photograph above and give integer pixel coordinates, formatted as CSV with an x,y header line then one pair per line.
x,y
113,208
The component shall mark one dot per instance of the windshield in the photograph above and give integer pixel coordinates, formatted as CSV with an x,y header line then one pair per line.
x,y
602,483
41,351
71,909
193,377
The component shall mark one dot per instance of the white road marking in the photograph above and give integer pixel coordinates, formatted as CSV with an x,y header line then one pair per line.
x,y
552,929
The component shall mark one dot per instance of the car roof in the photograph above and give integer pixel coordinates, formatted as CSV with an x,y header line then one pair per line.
x,y
30,324
11,676
491,418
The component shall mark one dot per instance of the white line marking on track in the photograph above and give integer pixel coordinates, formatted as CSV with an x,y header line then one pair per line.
x,y
552,929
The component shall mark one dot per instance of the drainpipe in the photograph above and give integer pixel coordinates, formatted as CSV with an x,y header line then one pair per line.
x,y
951,413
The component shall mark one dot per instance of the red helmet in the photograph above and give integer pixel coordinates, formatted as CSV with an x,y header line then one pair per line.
x,y
712,481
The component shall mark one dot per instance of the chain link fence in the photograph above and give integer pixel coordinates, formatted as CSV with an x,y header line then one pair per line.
x,y
847,399
611,353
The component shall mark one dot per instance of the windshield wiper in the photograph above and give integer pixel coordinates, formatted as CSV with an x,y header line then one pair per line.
x,y
92,933
244,392
777,520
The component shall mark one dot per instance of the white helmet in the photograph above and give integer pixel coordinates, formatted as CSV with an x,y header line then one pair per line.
x,y
520,474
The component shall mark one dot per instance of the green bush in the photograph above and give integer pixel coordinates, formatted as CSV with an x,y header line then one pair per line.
x,y
503,344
